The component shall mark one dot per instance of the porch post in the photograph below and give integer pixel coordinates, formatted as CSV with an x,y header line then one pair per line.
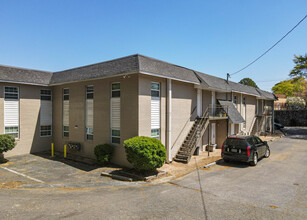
x,y
200,113
241,110
213,102
169,121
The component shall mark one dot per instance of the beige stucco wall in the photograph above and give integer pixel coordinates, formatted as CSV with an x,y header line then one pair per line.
x,y
29,123
183,103
102,131
251,102
144,108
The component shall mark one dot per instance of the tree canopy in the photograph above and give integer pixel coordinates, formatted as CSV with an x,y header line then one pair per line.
x,y
248,82
290,87
300,68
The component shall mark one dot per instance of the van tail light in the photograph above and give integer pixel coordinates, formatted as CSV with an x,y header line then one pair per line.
x,y
248,150
222,148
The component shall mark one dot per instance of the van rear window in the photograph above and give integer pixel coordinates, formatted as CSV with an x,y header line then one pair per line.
x,y
235,142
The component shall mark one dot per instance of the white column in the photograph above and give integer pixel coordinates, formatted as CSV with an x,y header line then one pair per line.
x,y
213,101
200,112
241,110
169,120
199,102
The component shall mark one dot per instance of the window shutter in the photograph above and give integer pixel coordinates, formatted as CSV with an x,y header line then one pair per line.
x,y
66,113
155,112
11,113
89,113
46,113
115,113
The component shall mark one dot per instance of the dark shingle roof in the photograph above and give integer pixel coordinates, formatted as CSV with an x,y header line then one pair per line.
x,y
266,95
127,65
164,69
119,66
26,76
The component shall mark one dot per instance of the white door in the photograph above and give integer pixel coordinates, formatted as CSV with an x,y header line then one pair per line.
x,y
232,129
212,133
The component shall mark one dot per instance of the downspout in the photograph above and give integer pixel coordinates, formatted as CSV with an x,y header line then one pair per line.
x,y
169,121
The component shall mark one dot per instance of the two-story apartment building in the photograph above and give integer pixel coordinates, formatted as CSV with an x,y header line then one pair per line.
x,y
115,100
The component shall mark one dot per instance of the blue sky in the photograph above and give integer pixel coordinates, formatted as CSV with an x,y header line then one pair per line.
x,y
213,37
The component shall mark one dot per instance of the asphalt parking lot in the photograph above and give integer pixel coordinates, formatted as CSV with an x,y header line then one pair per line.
x,y
39,171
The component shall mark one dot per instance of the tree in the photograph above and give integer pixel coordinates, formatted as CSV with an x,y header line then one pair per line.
x,y
290,87
296,102
248,82
300,69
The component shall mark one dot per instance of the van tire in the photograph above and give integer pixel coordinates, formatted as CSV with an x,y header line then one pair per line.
x,y
255,160
267,152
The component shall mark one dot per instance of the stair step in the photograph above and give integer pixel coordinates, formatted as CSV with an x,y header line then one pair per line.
x,y
183,153
184,157
180,160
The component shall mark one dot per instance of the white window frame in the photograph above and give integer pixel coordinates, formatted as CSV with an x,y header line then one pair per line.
x,y
89,132
64,126
112,128
4,98
46,130
46,95
159,97
43,99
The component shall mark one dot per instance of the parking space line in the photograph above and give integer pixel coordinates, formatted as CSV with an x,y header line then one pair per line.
x,y
21,174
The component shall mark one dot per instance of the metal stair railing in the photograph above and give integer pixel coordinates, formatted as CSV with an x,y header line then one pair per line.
x,y
197,134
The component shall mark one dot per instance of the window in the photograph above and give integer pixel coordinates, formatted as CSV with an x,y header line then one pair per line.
x,y
89,117
65,94
46,95
45,113
115,90
116,136
65,112
46,130
115,113
155,133
11,93
13,131
11,111
155,110
155,90
235,100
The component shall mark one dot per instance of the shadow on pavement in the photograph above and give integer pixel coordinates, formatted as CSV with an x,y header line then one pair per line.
x,y
69,162
235,164
296,132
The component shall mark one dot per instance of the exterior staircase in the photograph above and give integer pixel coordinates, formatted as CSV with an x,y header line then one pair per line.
x,y
189,145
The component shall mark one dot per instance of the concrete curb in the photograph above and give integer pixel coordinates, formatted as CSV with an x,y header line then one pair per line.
x,y
210,164
117,177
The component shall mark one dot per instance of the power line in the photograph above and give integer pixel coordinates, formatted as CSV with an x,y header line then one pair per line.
x,y
270,47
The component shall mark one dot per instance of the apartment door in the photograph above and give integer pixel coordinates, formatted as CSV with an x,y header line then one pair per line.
x,y
213,133
232,129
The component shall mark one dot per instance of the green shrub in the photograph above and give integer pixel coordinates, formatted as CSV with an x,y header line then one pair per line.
x,y
145,153
7,142
104,153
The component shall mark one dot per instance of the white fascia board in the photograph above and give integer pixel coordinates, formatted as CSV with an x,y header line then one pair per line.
x,y
167,77
24,83
211,89
245,93
85,80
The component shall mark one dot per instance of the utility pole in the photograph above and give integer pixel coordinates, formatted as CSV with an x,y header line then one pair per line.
x,y
228,76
